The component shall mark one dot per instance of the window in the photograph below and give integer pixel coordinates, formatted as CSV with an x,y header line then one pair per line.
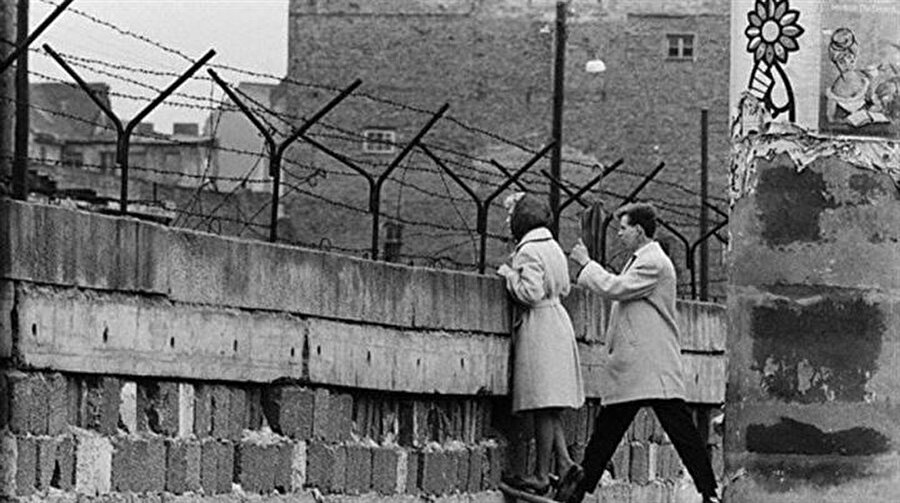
x,y
681,46
107,160
379,141
172,161
71,158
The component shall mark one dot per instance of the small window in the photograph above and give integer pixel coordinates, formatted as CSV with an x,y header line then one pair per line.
x,y
107,160
75,159
379,141
680,46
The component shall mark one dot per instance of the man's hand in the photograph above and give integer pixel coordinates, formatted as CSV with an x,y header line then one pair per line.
x,y
504,270
579,254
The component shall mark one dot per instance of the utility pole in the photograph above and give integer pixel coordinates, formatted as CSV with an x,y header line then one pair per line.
x,y
20,160
559,69
7,93
704,207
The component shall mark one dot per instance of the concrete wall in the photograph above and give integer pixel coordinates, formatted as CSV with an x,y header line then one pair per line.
x,y
149,360
814,330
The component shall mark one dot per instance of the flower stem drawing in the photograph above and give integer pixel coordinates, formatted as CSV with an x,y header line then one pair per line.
x,y
773,32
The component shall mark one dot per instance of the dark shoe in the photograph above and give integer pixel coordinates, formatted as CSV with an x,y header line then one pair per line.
x,y
569,483
520,483
577,496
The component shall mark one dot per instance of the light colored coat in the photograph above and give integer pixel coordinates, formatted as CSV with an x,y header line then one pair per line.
x,y
644,356
546,367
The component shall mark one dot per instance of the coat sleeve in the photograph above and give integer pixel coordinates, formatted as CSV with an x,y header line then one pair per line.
x,y
637,282
525,280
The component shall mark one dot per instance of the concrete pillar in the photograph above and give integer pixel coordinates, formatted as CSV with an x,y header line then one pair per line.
x,y
7,91
813,389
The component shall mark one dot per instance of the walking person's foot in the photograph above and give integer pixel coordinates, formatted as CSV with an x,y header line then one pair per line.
x,y
569,482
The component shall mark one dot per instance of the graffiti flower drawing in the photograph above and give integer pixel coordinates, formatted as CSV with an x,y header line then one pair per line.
x,y
772,32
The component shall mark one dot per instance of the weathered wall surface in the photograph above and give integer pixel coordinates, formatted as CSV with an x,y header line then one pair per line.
x,y
814,328
179,365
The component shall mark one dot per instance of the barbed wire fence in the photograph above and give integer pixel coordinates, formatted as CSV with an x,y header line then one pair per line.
x,y
241,209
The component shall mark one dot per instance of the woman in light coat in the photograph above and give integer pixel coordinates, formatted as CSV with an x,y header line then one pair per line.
x,y
546,369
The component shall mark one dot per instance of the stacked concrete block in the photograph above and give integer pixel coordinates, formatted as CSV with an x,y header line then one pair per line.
x,y
8,454
158,407
255,465
640,472
93,463
298,465
389,469
332,416
37,402
289,411
55,463
182,466
475,476
284,467
621,461
216,465
26,465
220,411
138,464
326,466
493,469
435,465
413,483
98,404
359,468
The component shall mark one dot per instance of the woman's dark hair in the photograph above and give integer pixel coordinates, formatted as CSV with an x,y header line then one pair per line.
x,y
643,214
529,213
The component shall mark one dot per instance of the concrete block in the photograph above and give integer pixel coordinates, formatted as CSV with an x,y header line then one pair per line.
x,y
255,465
284,467
26,465
640,463
158,407
182,466
298,465
621,461
22,401
493,469
220,413
216,466
57,417
615,493
254,408
8,457
128,406
341,410
238,412
93,463
99,410
653,492
359,469
64,471
388,470
433,470
289,411
324,427
186,402
138,464
461,480
413,483
326,466
45,462
202,410
474,479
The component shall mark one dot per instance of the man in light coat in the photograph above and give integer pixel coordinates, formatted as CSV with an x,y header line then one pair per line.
x,y
643,366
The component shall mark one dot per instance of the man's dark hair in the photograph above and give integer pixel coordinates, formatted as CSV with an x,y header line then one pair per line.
x,y
643,214
529,213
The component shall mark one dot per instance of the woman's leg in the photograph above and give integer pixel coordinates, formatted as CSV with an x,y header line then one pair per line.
x,y
544,433
563,459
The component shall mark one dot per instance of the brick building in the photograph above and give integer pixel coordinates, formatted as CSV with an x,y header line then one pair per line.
x,y
492,61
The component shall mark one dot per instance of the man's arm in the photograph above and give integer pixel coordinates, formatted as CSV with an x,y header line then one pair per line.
x,y
637,282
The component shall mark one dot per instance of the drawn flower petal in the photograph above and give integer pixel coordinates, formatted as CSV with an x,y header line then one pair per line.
x,y
760,52
771,10
761,9
792,31
788,18
753,44
779,10
788,43
752,31
770,54
754,20
780,53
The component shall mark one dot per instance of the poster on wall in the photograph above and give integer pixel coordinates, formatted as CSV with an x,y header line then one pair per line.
x,y
831,67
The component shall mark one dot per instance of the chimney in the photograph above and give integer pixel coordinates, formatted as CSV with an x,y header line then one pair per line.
x,y
186,128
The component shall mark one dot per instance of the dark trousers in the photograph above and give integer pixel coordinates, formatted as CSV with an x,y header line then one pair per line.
x,y
612,423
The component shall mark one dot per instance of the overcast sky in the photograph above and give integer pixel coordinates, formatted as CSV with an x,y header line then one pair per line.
x,y
247,34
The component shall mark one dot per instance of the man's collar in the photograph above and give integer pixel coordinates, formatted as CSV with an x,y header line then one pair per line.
x,y
646,247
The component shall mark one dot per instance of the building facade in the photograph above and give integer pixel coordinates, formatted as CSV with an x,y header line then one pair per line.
x,y
492,62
